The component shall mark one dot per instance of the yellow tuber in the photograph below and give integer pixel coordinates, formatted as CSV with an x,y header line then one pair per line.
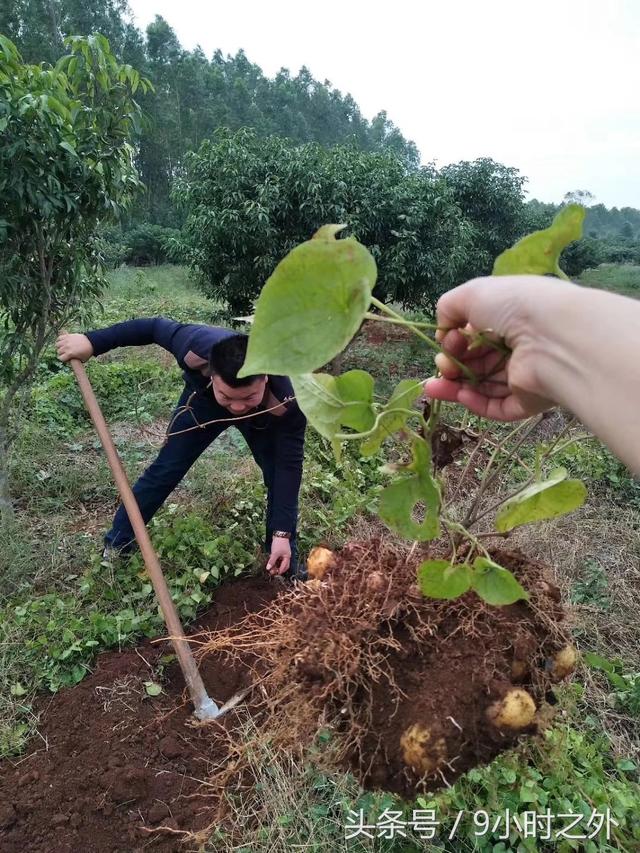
x,y
516,710
320,561
423,752
563,663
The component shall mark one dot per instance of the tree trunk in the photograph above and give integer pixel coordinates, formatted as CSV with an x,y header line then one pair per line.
x,y
6,506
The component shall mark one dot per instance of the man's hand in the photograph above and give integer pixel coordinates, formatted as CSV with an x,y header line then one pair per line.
x,y
280,556
74,346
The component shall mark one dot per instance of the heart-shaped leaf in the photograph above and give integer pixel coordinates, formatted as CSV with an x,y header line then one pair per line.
x,y
494,584
441,579
545,499
399,500
331,401
311,306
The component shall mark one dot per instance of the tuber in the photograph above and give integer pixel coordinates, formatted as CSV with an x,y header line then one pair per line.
x,y
320,561
515,710
563,663
423,752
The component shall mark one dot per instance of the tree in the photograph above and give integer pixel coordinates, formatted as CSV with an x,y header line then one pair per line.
x,y
250,200
583,197
193,96
492,199
66,165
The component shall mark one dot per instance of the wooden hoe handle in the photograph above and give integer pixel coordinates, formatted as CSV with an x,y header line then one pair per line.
x,y
205,708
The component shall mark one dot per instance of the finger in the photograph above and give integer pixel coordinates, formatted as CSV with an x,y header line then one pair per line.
x,y
453,308
284,565
496,408
449,390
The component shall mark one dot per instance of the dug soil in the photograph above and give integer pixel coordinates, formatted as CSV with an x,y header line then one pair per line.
x,y
401,686
114,769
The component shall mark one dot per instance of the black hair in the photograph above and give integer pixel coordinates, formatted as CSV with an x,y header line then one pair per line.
x,y
227,357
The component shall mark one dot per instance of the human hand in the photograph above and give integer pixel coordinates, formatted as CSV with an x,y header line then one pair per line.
x,y
509,387
280,556
74,346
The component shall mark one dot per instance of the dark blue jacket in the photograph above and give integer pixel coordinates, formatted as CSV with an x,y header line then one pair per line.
x,y
185,340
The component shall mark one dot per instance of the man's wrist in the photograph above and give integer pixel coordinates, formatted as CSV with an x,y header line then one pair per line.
x,y
281,534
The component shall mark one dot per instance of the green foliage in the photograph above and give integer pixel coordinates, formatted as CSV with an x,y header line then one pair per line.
x,y
542,500
620,278
126,390
539,253
62,631
626,695
311,306
495,585
593,586
492,199
393,416
592,461
249,201
612,235
165,291
332,401
325,283
66,162
571,772
414,488
151,244
442,579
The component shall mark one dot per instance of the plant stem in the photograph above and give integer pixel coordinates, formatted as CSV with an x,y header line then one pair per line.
x,y
433,344
486,481
400,322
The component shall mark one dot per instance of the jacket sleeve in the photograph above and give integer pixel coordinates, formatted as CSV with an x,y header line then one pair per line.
x,y
135,333
289,453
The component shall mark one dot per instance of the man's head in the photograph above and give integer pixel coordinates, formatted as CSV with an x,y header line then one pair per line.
x,y
226,358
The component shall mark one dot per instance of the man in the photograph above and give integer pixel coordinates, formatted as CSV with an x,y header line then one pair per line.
x,y
259,406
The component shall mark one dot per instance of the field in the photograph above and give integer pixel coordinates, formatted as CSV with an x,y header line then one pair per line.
x,y
62,606
620,278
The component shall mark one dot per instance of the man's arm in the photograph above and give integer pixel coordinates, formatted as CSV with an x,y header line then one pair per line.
x,y
289,454
131,333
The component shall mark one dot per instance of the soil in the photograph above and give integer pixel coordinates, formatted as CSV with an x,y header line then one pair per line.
x,y
111,763
404,683
401,683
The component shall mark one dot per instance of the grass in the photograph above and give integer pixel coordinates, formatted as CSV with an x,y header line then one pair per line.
x,y
620,278
60,605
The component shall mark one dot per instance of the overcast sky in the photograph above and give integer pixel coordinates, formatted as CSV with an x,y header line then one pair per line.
x,y
551,87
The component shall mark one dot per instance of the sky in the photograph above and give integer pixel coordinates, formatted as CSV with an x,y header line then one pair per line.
x,y
551,87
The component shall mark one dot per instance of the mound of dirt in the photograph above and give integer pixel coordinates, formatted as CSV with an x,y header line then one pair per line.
x,y
412,691
416,691
114,769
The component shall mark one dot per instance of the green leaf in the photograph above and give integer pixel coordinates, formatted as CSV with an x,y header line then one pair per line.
x,y
494,584
17,689
329,401
441,579
400,498
539,253
310,307
152,688
404,396
598,662
545,499
355,388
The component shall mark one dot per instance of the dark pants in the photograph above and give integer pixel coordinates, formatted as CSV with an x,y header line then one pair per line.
x,y
178,455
